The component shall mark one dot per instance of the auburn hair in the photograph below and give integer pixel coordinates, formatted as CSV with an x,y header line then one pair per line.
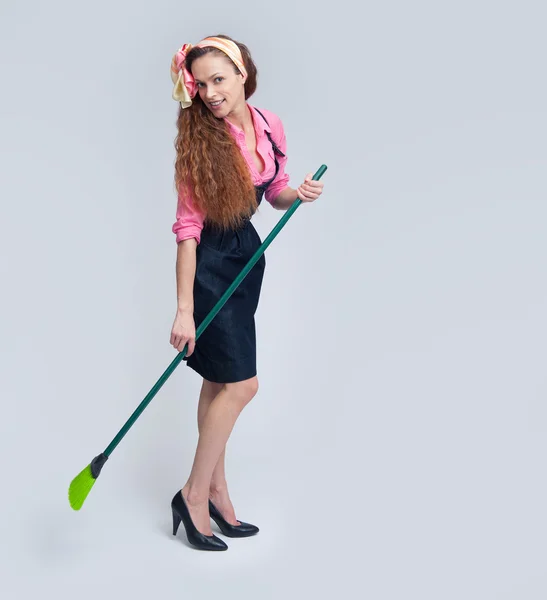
x,y
209,164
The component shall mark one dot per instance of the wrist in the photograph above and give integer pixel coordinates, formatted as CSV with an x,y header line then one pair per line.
x,y
185,309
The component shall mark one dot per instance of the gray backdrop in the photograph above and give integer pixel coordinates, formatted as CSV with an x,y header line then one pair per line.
x,y
396,448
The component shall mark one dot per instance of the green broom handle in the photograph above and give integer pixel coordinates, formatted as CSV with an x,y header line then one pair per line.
x,y
320,172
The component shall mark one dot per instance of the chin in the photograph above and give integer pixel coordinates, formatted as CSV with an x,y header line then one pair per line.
x,y
219,114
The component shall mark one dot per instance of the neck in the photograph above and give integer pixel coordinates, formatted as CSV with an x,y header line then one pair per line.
x,y
241,117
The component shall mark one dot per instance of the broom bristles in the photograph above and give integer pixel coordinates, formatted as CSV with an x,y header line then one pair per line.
x,y
80,487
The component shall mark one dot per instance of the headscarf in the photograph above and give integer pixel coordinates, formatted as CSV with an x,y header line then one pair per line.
x,y
185,85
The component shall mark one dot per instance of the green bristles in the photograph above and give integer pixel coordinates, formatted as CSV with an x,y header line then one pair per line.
x,y
80,487
81,484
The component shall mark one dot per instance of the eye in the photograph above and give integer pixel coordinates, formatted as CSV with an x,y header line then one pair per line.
x,y
199,84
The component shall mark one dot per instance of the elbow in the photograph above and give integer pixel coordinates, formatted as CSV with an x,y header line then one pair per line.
x,y
274,202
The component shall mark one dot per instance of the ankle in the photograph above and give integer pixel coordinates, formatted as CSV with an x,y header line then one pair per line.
x,y
194,496
218,487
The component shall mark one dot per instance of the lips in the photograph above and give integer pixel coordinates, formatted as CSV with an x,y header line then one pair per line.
x,y
214,105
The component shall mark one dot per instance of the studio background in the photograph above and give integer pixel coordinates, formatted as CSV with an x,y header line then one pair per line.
x,y
396,447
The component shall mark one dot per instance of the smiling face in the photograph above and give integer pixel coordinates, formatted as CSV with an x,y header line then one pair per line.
x,y
217,81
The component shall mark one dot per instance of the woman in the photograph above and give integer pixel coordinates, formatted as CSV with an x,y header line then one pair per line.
x,y
229,154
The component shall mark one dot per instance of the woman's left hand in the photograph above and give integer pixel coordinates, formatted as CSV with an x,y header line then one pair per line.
x,y
310,190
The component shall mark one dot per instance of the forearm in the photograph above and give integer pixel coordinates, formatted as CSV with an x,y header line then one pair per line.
x,y
285,199
186,271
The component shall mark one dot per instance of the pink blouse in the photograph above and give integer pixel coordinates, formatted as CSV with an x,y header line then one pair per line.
x,y
190,220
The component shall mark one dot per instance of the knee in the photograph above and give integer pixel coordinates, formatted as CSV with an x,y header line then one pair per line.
x,y
244,391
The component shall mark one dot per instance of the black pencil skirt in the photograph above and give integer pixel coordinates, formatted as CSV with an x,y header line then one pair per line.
x,y
226,351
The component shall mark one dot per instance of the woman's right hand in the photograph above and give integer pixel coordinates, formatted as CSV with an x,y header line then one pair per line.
x,y
183,331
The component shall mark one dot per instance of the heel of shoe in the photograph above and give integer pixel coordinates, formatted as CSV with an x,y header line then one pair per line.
x,y
176,522
195,538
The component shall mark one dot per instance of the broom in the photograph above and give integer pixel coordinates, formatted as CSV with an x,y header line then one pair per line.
x,y
83,482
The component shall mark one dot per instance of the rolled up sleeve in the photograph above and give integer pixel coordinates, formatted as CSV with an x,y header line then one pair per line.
x,y
189,223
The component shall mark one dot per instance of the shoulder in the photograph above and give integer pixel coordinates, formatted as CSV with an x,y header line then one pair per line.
x,y
274,121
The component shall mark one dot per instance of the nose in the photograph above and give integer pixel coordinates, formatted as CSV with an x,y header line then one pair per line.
x,y
208,91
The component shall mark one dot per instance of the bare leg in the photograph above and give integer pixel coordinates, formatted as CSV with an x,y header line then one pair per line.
x,y
218,489
216,427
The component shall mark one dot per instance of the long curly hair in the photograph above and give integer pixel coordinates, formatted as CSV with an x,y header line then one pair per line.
x,y
209,164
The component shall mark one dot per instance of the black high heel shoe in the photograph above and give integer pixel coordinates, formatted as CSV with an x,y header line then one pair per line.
x,y
195,537
243,530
